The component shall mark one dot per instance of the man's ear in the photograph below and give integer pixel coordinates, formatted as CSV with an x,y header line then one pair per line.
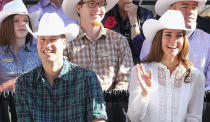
x,y
78,8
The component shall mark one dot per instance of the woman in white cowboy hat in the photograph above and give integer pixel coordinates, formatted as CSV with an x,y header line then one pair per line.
x,y
17,53
166,87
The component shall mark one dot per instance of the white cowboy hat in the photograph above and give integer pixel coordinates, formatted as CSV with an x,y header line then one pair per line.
x,y
17,7
52,25
162,6
172,19
69,7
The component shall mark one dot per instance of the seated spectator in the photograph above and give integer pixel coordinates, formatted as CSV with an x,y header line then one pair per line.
x,y
17,53
126,17
98,48
58,90
3,2
166,87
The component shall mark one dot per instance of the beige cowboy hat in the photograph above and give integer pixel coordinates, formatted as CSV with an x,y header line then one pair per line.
x,y
18,7
69,7
171,19
52,25
162,6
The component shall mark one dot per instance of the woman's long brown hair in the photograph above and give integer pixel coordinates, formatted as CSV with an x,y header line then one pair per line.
x,y
7,33
156,53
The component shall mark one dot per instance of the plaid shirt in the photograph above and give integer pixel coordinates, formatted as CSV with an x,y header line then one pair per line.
x,y
75,97
109,56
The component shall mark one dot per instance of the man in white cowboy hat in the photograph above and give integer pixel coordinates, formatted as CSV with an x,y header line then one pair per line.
x,y
199,40
98,48
58,90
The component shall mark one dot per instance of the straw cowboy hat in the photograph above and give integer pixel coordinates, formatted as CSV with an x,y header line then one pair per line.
x,y
69,7
52,25
162,6
17,7
172,19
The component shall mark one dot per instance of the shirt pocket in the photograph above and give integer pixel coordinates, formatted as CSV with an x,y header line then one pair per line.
x,y
107,58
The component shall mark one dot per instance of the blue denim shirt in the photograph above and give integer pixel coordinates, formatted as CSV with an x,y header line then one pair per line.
x,y
12,65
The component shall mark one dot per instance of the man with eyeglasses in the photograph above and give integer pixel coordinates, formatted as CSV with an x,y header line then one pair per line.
x,y
98,48
104,51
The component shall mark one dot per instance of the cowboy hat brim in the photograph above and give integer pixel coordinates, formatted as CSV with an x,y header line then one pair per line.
x,y
152,26
69,7
162,6
71,31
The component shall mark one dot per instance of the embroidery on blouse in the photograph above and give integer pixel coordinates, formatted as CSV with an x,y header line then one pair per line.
x,y
161,76
162,94
176,91
178,79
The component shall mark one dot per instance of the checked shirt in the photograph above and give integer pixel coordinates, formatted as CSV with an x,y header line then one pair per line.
x,y
76,96
109,56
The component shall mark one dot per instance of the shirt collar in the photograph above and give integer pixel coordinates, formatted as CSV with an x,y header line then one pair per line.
x,y
192,35
45,3
102,33
63,73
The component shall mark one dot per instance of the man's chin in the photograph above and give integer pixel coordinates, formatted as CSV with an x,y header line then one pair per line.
x,y
96,23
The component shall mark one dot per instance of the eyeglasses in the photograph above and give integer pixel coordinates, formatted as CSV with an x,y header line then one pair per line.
x,y
92,4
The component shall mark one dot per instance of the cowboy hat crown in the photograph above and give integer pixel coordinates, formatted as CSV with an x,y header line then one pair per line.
x,y
172,19
17,7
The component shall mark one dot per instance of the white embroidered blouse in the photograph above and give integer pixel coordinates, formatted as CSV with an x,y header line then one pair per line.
x,y
171,99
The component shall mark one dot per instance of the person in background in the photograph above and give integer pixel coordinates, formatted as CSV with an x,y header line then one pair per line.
x,y
126,17
165,87
58,90
3,2
17,53
103,50
50,6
